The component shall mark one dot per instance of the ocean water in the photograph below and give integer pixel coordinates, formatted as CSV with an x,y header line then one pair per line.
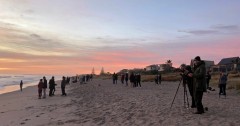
x,y
9,81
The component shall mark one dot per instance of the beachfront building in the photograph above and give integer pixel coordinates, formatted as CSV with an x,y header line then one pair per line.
x,y
227,65
165,67
159,67
208,64
152,67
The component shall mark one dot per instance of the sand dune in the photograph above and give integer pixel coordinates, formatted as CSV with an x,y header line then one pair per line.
x,y
101,103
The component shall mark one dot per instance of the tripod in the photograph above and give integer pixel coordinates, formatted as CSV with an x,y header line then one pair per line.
x,y
185,94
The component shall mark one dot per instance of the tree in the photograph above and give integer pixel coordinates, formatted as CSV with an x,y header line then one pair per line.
x,y
93,71
102,71
169,61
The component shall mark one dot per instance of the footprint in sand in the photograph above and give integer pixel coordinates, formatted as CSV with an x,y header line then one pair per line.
x,y
30,107
26,119
22,123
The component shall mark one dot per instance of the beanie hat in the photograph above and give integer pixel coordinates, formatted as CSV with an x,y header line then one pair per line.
x,y
197,58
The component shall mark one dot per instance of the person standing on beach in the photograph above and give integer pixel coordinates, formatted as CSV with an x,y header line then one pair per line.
x,y
44,86
116,78
222,84
21,85
113,77
51,86
122,78
126,79
208,78
199,83
63,85
132,79
40,87
189,81
158,79
138,80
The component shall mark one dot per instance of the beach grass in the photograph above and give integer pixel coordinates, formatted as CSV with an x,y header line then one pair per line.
x,y
232,83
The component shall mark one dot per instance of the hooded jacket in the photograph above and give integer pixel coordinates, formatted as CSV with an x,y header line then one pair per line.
x,y
199,77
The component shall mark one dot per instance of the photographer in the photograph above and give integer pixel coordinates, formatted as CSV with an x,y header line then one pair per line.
x,y
199,83
185,71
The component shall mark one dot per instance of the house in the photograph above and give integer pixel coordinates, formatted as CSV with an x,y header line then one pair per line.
x,y
208,64
159,67
152,67
165,67
227,64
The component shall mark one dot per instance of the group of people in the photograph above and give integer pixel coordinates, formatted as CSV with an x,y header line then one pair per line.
x,y
82,79
42,86
135,79
197,80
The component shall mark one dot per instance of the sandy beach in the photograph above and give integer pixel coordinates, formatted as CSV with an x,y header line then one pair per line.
x,y
99,102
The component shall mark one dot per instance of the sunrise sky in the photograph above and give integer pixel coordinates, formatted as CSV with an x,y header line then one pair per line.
x,y
73,36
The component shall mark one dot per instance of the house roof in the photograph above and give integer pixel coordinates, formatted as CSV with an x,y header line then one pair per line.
x,y
225,61
208,63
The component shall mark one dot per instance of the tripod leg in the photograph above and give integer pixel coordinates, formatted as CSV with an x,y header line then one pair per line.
x,y
184,95
187,99
176,93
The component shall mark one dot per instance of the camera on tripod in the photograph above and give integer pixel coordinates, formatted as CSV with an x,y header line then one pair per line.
x,y
184,71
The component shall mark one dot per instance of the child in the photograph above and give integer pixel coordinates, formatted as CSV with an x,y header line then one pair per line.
x,y
40,87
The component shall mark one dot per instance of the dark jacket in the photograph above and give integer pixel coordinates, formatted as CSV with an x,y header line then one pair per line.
x,y
44,83
223,79
126,77
63,83
199,77
40,85
51,84
132,78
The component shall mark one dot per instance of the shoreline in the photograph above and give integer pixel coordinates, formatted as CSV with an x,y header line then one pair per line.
x,y
16,88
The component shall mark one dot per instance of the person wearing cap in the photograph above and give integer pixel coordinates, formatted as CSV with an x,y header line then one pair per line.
x,y
199,83
44,86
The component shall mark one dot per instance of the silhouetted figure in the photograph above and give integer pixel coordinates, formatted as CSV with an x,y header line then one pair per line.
x,y
132,79
52,86
116,78
44,87
158,79
189,80
122,78
222,84
91,77
21,85
138,80
113,77
40,87
126,79
88,77
208,78
135,81
199,83
63,85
